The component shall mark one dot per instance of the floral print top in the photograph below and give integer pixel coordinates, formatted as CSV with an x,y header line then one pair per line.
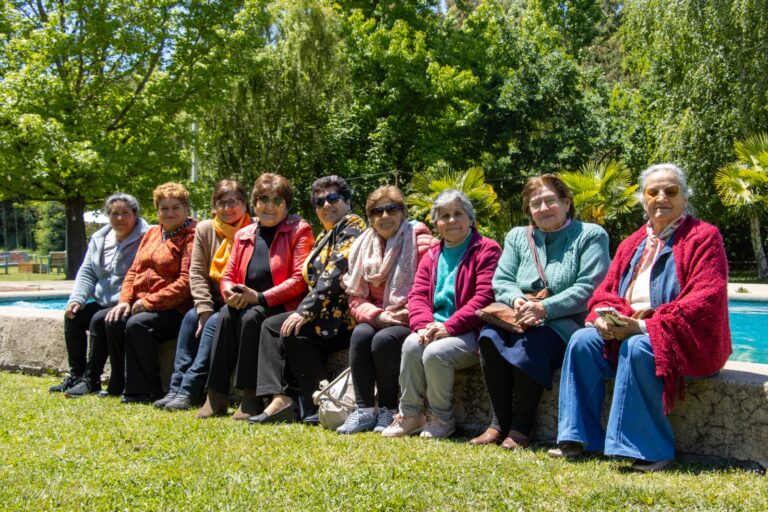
x,y
326,303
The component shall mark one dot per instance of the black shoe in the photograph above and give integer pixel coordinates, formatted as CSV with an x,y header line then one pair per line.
x,y
312,419
285,415
137,399
160,404
68,382
181,402
81,388
105,393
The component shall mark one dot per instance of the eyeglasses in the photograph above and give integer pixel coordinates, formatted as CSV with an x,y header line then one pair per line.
x,y
389,208
230,203
332,198
549,201
274,200
670,192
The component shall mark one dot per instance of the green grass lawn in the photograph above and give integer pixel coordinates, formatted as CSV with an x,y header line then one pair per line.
x,y
96,454
14,275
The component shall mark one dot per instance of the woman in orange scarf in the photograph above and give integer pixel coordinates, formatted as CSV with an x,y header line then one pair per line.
x,y
210,254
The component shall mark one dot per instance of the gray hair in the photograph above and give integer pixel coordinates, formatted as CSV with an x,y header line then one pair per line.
x,y
448,196
128,199
665,167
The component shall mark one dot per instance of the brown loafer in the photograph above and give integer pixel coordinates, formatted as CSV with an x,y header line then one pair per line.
x,y
490,436
515,440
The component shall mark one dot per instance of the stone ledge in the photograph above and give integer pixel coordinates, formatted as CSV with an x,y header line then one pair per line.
x,y
725,416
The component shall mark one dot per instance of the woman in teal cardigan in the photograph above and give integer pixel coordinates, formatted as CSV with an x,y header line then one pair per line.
x,y
574,258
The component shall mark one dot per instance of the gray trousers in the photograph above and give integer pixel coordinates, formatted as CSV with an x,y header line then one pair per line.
x,y
427,372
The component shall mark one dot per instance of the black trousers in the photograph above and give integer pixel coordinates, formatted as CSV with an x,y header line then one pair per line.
x,y
133,349
307,355
514,396
273,375
374,357
236,346
86,340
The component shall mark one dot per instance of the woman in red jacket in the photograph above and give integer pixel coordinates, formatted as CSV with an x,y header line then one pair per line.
x,y
382,265
154,298
263,278
664,318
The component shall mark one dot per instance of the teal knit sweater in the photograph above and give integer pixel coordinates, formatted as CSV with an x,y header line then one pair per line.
x,y
575,260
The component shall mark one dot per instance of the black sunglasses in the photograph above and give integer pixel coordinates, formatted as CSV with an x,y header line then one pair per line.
x,y
275,200
389,208
332,198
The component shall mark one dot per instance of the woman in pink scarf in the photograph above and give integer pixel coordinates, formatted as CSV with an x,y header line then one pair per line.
x,y
382,264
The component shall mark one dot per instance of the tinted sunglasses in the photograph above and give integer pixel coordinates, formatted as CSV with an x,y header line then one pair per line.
x,y
332,198
670,192
389,208
275,200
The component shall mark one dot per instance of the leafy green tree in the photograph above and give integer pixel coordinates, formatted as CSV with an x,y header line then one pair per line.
x,y
602,191
743,185
695,82
427,185
94,96
50,227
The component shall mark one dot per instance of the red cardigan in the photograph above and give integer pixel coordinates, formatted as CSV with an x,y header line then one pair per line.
x,y
290,247
474,289
159,276
690,335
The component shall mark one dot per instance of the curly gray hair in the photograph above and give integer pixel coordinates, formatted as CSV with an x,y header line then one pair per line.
x,y
128,199
665,167
448,196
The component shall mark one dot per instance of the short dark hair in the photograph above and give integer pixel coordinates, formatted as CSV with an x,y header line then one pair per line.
x,y
331,181
269,182
224,187
553,182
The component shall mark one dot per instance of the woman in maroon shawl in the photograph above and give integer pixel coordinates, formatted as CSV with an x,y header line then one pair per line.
x,y
668,285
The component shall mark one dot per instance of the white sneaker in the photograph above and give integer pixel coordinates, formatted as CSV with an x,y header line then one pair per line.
x,y
438,429
385,419
405,426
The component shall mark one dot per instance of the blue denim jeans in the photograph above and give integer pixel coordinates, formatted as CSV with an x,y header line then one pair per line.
x,y
193,355
637,426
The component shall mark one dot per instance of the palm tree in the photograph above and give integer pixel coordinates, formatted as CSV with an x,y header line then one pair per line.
x,y
601,190
427,185
743,185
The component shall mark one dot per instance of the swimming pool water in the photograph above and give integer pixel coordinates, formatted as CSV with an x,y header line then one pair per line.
x,y
49,304
749,330
749,325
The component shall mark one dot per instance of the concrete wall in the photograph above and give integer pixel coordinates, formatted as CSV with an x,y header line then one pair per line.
x,y
725,416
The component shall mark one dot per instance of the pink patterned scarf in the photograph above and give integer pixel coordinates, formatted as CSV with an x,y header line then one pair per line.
x,y
396,264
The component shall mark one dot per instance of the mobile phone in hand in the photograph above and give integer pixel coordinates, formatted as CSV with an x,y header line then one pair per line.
x,y
609,314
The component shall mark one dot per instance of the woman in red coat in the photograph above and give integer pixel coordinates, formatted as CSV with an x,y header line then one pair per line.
x,y
263,278
668,287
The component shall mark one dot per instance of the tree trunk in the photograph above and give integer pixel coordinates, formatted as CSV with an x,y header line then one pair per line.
x,y
757,246
76,243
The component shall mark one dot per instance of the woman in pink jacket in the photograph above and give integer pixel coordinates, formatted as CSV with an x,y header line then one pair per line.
x,y
452,282
382,265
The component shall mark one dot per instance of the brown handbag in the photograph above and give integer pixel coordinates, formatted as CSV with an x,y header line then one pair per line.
x,y
505,317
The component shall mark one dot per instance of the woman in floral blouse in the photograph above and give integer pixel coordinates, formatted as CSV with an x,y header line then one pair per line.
x,y
322,323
